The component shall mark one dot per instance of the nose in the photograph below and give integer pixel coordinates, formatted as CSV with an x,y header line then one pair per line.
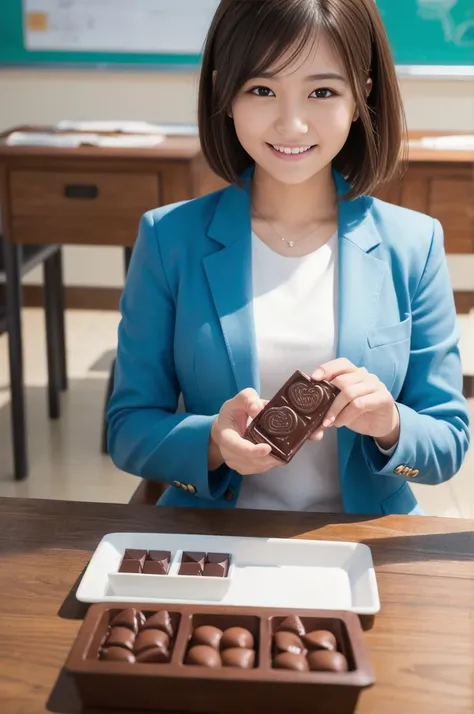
x,y
291,121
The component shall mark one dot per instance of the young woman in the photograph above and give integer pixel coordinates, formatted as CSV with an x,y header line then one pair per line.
x,y
293,266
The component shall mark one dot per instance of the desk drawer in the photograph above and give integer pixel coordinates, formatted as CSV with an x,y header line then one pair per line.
x,y
80,207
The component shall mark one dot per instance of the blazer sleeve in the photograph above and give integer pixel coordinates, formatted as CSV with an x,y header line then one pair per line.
x,y
146,436
434,421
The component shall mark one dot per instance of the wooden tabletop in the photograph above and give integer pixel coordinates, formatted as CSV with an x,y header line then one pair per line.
x,y
172,147
186,147
422,642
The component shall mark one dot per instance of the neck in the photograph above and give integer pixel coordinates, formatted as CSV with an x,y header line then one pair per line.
x,y
298,204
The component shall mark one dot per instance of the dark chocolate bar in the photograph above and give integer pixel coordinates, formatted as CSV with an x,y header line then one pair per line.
x,y
289,419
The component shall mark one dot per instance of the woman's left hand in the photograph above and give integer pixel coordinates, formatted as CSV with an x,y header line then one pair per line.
x,y
364,404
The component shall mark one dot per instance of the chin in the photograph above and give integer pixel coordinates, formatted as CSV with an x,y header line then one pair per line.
x,y
292,176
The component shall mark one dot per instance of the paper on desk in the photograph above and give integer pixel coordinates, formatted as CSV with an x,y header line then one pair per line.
x,y
18,138
459,142
127,127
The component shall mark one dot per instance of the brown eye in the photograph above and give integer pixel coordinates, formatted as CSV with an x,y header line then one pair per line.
x,y
323,93
261,91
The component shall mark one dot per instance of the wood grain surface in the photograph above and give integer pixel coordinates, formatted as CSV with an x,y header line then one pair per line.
x,y
422,642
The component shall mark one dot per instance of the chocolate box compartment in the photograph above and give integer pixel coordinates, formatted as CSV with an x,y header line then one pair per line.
x,y
179,687
173,586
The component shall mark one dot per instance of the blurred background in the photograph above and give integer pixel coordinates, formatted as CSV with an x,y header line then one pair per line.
x,y
68,66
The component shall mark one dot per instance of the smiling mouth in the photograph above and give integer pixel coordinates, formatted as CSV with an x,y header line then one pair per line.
x,y
291,150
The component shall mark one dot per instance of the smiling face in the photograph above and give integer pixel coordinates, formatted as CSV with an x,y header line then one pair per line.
x,y
294,121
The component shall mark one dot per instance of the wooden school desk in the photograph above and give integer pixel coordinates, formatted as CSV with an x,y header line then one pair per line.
x,y
95,196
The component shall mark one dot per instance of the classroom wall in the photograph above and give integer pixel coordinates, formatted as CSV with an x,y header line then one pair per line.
x,y
46,96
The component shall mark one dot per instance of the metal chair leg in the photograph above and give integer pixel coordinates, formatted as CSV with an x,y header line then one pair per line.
x,y
15,352
110,389
51,310
59,292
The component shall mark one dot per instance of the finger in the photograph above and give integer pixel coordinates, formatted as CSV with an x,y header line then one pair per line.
x,y
344,398
246,468
332,369
233,443
248,401
359,406
345,380
317,435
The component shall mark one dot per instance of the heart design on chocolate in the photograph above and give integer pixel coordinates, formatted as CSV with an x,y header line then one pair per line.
x,y
279,421
306,397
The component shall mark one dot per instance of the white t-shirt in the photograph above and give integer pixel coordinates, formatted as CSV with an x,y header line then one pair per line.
x,y
295,312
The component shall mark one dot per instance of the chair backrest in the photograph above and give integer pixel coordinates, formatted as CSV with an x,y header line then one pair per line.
x,y
147,493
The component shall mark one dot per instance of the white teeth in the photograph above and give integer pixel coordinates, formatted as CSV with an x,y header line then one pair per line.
x,y
288,150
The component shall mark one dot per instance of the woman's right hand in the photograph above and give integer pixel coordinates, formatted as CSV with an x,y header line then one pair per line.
x,y
227,445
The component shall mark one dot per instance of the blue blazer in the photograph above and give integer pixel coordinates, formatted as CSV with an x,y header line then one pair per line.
x,y
187,330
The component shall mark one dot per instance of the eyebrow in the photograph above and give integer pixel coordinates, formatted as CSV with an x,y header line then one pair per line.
x,y
310,78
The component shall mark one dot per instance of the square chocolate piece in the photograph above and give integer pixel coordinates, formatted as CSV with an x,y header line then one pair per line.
x,y
217,565
288,420
157,562
135,554
190,568
192,557
163,555
130,566
155,567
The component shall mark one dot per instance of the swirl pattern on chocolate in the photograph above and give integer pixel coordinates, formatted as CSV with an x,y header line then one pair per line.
x,y
279,421
306,397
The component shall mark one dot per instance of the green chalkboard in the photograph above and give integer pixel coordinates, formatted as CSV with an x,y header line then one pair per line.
x,y
423,33
430,32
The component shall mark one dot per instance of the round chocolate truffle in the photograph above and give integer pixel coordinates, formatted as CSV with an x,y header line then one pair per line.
x,y
147,639
154,655
207,635
117,654
293,624
327,661
203,656
288,642
320,640
287,660
237,637
238,657
121,637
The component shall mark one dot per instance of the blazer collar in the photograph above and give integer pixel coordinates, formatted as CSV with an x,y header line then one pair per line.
x,y
232,217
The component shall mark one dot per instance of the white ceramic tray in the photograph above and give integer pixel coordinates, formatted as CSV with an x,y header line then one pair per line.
x,y
266,572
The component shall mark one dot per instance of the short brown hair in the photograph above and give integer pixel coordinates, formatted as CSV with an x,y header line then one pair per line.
x,y
247,37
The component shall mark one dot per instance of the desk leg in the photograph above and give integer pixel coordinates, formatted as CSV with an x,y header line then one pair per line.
x,y
15,353
59,292
52,309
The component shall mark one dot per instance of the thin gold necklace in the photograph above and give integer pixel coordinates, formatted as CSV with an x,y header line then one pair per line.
x,y
289,243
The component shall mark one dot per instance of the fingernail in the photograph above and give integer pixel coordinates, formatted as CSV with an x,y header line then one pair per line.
x,y
319,374
326,423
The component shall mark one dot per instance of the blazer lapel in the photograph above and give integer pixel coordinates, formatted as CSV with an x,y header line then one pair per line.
x,y
229,274
360,279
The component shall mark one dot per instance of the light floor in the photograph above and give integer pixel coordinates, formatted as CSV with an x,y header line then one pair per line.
x,y
65,457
